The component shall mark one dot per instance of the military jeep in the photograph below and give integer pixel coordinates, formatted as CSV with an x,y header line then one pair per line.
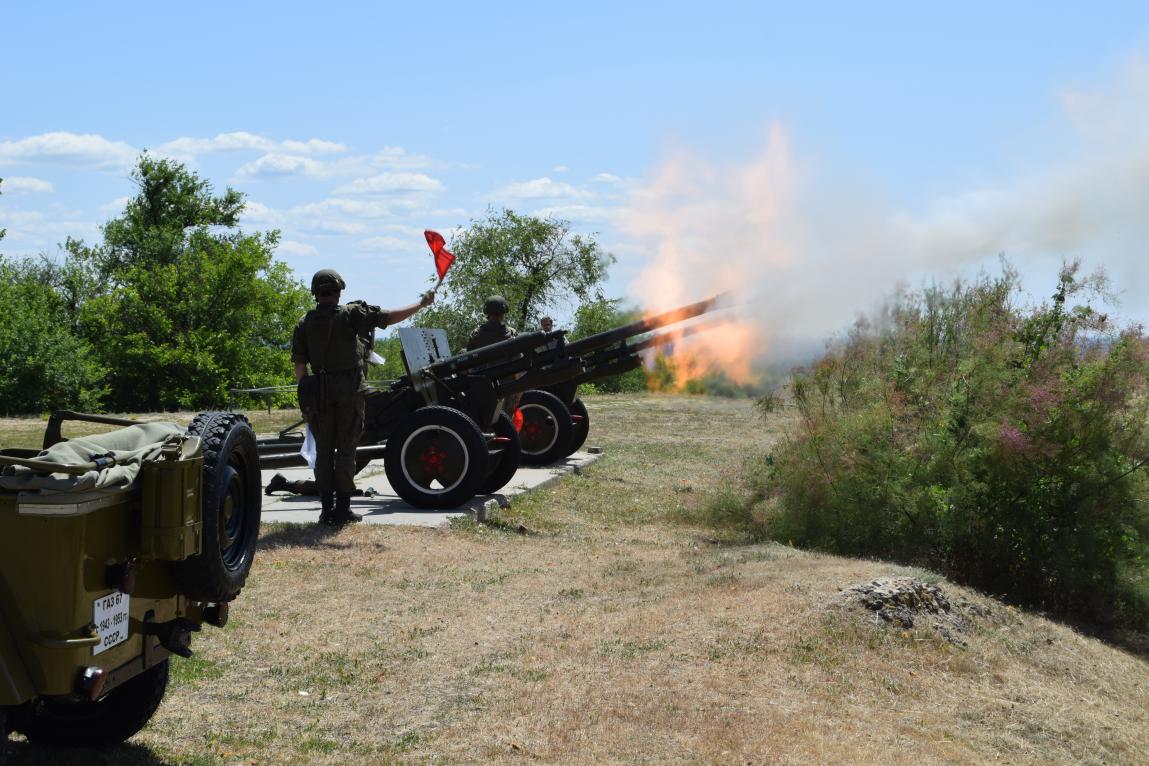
x,y
114,549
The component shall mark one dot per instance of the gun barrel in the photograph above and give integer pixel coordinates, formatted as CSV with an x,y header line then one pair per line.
x,y
493,354
604,363
672,336
593,342
559,372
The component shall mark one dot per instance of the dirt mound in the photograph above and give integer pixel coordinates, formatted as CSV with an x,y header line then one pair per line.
x,y
899,601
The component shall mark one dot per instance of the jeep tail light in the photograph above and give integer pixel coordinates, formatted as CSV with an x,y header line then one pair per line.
x,y
92,682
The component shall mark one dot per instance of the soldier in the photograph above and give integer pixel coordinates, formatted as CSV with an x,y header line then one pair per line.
x,y
280,483
331,340
493,330
546,324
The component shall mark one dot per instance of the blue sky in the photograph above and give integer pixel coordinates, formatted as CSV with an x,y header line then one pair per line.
x,y
353,126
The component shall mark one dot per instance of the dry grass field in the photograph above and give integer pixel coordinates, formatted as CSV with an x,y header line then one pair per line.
x,y
594,622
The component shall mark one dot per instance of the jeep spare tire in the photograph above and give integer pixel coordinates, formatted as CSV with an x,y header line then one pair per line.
x,y
232,498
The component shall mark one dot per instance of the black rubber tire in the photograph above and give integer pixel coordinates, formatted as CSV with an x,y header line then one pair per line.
x,y
504,464
232,502
3,738
546,430
108,721
436,444
580,427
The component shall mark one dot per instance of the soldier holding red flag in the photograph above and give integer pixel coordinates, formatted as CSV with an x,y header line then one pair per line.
x,y
330,340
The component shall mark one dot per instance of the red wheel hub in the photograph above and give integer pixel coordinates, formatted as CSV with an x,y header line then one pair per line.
x,y
432,460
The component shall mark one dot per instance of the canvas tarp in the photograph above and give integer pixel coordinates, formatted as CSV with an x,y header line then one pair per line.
x,y
129,445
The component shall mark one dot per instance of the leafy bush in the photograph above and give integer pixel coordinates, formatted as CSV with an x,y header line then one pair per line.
x,y
44,364
999,444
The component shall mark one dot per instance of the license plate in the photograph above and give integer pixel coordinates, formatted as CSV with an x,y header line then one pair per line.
x,y
110,614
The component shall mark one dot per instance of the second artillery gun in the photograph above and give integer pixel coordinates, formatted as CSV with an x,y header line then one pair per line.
x,y
443,429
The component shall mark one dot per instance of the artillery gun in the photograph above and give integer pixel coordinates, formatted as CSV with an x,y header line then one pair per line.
x,y
443,430
555,420
114,549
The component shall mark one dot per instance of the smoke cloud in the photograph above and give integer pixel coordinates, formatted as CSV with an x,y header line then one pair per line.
x,y
805,256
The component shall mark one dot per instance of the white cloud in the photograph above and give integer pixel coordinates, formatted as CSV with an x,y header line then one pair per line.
x,y
320,225
280,165
387,183
115,206
25,185
19,218
397,158
257,212
542,188
357,208
244,141
387,243
32,233
609,178
578,213
283,162
449,212
85,150
291,247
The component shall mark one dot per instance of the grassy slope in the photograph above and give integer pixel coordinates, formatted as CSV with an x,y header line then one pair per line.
x,y
613,631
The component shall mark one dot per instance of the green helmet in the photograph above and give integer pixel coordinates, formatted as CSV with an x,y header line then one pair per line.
x,y
496,304
327,278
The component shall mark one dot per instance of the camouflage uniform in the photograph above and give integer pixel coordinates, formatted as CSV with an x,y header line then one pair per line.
x,y
367,338
493,331
332,340
489,332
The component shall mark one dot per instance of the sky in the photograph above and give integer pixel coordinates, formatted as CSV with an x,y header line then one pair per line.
x,y
810,155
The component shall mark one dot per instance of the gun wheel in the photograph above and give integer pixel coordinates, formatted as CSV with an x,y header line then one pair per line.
x,y
546,430
580,427
505,460
436,458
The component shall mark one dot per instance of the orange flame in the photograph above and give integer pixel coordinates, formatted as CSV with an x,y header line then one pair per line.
x,y
713,232
727,347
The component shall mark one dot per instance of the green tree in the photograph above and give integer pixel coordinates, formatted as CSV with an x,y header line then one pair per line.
x,y
43,364
537,264
188,305
598,316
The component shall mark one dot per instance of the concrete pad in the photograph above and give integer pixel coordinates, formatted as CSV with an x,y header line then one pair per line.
x,y
385,507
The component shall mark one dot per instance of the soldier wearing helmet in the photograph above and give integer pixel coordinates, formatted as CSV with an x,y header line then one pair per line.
x,y
493,330
331,341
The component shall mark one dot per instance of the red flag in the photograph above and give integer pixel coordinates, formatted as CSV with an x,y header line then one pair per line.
x,y
443,256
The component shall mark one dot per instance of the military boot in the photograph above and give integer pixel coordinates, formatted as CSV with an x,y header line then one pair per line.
x,y
278,483
343,513
327,512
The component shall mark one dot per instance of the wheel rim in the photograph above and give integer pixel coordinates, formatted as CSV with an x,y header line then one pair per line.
x,y
540,430
232,514
434,454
